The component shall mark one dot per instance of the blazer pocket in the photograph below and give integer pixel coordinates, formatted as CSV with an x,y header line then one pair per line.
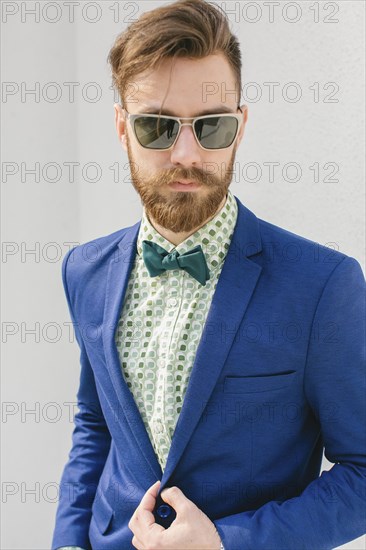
x,y
258,384
102,513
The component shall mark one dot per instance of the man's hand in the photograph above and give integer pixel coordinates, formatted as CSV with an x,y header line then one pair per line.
x,y
191,529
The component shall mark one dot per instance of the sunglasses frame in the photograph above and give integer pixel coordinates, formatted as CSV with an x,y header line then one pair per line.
x,y
131,117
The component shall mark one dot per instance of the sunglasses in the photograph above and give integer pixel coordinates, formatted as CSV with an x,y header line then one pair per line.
x,y
160,132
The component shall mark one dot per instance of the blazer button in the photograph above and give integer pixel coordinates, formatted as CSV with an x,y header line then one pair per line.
x,y
164,510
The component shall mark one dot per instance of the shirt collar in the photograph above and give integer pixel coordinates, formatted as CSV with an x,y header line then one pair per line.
x,y
214,237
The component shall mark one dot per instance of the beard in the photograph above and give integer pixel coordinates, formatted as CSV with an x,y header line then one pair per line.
x,y
180,211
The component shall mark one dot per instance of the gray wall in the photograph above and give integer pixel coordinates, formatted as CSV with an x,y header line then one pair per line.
x,y
40,370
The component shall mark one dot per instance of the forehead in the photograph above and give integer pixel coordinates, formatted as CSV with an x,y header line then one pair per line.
x,y
187,87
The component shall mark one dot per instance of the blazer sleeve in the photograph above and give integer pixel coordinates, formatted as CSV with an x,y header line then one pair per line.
x,y
90,446
332,509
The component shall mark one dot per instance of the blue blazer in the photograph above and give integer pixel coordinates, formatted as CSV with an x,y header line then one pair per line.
x,y
279,375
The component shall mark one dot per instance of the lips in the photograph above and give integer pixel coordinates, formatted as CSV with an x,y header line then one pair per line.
x,y
182,182
184,185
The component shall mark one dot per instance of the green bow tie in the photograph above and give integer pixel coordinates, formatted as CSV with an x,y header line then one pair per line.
x,y
157,260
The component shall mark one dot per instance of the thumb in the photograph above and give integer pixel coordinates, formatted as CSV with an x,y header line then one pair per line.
x,y
173,496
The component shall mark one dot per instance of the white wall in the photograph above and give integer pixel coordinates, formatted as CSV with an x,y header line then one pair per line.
x,y
41,371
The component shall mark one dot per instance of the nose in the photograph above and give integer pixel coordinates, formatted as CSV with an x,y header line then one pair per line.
x,y
186,150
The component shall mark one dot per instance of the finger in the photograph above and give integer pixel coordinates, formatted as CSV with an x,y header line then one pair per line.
x,y
178,500
146,506
136,542
151,491
143,520
148,500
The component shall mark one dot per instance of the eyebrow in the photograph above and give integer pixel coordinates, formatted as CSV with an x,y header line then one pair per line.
x,y
215,111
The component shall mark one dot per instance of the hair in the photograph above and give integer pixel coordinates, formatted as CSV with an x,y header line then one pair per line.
x,y
190,29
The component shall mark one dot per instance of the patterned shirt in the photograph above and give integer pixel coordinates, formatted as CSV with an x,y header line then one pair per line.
x,y
161,323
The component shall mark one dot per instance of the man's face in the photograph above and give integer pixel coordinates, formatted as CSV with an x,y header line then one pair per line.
x,y
153,171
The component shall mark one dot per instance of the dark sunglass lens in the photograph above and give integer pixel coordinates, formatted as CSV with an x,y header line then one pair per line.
x,y
216,132
155,133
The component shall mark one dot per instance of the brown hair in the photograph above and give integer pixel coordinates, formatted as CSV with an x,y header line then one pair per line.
x,y
186,28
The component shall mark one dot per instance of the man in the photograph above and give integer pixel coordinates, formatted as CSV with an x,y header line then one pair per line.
x,y
220,354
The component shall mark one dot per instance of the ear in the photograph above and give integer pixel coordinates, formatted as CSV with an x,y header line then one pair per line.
x,y
120,122
244,108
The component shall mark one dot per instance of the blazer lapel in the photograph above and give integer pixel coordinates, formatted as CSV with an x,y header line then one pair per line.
x,y
119,271
238,277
